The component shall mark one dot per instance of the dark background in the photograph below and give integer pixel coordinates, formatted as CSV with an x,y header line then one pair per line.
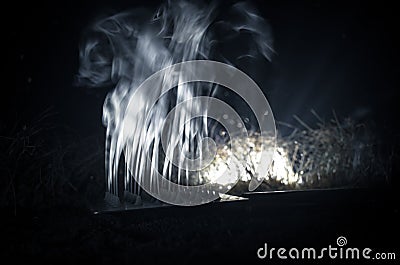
x,y
340,55
336,55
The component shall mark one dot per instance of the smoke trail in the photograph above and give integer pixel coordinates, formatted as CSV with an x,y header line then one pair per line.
x,y
126,48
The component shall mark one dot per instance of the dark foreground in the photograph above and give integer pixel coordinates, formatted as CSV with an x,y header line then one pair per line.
x,y
218,232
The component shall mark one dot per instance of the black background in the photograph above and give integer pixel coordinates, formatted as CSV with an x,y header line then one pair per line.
x,y
336,55
329,55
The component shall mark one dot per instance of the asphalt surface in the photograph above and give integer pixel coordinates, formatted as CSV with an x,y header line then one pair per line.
x,y
216,233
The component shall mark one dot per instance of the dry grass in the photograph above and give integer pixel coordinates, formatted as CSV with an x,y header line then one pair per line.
x,y
44,166
334,154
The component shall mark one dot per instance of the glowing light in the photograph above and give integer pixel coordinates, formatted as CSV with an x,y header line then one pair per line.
x,y
281,169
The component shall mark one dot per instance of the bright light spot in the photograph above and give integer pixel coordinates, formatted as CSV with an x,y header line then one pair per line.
x,y
230,164
282,168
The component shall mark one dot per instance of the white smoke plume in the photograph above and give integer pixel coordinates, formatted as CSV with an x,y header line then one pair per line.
x,y
124,49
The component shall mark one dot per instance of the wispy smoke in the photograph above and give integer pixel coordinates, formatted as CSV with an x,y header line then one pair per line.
x,y
126,48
